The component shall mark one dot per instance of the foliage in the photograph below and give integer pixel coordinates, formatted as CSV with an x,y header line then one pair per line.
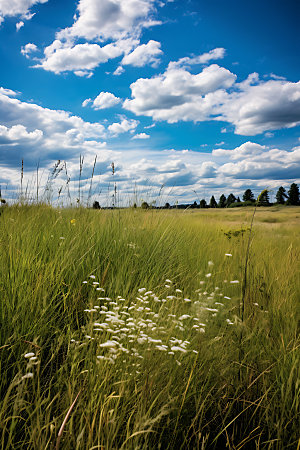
x,y
293,195
213,203
222,201
248,196
281,196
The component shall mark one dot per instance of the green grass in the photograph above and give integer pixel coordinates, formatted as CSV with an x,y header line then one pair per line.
x,y
237,383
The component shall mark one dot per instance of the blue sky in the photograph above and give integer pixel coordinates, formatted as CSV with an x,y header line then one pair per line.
x,y
187,98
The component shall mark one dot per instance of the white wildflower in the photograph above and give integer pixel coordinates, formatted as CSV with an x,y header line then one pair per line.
x,y
29,355
234,282
28,375
208,275
210,263
228,254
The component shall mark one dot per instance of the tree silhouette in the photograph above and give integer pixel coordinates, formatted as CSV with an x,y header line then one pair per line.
x,y
248,196
293,195
281,196
230,199
144,205
203,203
222,201
213,203
96,205
263,198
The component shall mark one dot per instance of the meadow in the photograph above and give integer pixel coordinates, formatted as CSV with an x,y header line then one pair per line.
x,y
136,329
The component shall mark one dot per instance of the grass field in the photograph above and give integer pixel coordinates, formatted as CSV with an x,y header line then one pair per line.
x,y
126,329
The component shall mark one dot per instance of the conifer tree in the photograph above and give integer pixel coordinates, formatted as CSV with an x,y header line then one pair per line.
x,y
222,201
248,196
213,203
293,195
281,196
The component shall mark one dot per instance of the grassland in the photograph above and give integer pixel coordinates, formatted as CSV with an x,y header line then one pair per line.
x,y
123,329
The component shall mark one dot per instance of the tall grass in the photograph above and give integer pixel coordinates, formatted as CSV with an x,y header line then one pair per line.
x,y
90,388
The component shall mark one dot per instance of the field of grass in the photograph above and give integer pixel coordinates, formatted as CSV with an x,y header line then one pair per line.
x,y
122,329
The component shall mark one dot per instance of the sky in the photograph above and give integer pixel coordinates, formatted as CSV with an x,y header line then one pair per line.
x,y
187,98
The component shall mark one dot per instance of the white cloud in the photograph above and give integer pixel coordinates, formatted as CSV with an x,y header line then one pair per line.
x,y
11,8
179,95
58,131
119,23
217,53
105,100
28,49
269,105
19,25
123,126
119,70
252,106
107,19
19,134
144,54
82,58
141,136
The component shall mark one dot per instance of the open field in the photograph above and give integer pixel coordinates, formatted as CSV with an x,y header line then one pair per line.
x,y
126,329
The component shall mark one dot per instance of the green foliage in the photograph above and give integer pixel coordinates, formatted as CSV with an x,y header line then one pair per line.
x,y
248,196
263,198
237,384
203,203
213,203
222,201
281,196
230,199
293,195
145,205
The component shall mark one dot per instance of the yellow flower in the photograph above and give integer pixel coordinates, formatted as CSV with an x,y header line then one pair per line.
x,y
73,221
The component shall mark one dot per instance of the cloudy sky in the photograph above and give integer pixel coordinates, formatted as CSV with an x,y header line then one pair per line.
x,y
188,98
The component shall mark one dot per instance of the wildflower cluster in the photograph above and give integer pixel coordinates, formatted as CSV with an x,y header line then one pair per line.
x,y
169,323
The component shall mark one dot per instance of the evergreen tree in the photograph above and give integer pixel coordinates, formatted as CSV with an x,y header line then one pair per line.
x,y
230,199
281,196
263,198
203,203
248,196
145,205
238,200
222,201
213,203
293,195
96,205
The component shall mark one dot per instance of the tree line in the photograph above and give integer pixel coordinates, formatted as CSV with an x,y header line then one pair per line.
x,y
283,197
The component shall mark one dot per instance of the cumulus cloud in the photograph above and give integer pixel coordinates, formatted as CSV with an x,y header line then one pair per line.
x,y
252,106
19,25
28,49
18,134
141,136
82,58
123,127
58,131
179,95
109,19
9,8
118,23
269,105
103,100
144,54
216,53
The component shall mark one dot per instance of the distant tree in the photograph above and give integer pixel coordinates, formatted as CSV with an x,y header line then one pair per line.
x,y
134,205
96,205
238,200
293,195
203,203
194,205
167,206
263,198
145,205
222,201
248,196
281,196
230,199
213,203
